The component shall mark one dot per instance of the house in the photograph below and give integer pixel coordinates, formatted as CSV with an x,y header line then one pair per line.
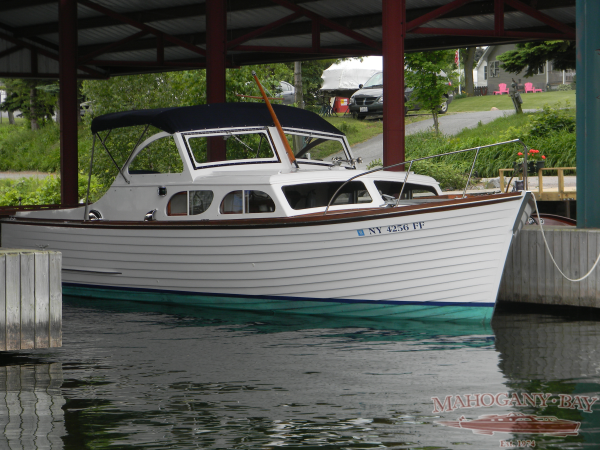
x,y
490,74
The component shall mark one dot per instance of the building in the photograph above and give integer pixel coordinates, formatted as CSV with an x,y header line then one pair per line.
x,y
489,73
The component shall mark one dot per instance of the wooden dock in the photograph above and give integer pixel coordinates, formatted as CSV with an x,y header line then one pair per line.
x,y
531,277
30,299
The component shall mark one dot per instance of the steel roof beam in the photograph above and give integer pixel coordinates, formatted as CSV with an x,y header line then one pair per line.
x,y
329,23
113,46
141,26
291,29
46,76
147,16
438,12
305,28
121,63
42,51
10,51
536,14
485,33
309,50
8,5
263,30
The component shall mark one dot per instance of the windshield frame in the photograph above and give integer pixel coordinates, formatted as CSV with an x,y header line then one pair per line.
x,y
229,132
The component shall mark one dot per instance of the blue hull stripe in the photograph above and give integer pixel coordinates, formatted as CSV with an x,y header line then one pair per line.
x,y
435,311
277,297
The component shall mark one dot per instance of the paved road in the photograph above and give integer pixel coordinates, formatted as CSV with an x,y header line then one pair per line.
x,y
450,124
16,175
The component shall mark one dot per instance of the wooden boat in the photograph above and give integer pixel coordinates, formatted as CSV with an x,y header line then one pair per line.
x,y
264,230
517,423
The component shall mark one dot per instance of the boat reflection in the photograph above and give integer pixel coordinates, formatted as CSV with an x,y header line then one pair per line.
x,y
448,334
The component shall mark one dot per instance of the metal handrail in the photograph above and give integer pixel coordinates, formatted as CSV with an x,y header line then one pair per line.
x,y
410,162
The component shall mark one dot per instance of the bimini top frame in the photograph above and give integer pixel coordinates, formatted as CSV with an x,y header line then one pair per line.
x,y
215,116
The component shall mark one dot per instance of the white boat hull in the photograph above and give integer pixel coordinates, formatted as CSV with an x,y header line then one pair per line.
x,y
434,261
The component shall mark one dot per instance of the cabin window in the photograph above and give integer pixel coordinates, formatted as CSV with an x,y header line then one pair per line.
x,y
247,202
160,156
393,188
315,147
315,195
177,205
248,147
200,201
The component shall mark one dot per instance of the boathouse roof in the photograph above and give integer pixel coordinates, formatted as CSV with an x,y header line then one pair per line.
x,y
218,115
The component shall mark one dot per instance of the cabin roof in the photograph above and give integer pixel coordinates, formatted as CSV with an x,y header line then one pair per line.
x,y
214,116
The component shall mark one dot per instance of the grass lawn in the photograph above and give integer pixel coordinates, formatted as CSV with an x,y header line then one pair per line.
x,y
530,101
18,121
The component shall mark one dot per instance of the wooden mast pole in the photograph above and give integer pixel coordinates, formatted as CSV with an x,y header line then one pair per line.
x,y
286,144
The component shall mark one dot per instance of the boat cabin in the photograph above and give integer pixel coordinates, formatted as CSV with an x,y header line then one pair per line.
x,y
171,175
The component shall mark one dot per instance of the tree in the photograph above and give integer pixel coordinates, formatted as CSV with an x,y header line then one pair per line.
x,y
428,73
533,55
35,99
469,57
311,79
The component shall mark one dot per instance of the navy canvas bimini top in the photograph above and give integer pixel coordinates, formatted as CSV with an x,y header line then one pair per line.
x,y
217,115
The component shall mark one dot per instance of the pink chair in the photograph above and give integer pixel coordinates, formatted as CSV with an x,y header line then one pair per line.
x,y
503,89
529,88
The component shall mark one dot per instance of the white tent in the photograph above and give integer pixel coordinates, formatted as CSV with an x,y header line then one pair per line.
x,y
347,75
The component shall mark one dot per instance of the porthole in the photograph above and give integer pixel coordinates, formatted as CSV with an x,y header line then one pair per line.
x,y
247,202
177,205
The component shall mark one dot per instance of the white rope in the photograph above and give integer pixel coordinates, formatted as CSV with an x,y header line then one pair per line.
x,y
550,253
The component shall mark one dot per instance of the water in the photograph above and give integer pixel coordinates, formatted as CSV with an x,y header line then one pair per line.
x,y
135,376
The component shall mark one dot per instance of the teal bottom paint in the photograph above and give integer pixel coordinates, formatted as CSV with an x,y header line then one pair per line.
x,y
305,307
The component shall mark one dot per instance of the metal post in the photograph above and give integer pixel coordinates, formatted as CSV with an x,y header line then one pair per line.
x,y
394,26
588,113
216,35
69,105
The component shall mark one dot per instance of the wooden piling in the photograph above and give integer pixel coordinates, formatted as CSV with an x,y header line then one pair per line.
x,y
30,299
531,277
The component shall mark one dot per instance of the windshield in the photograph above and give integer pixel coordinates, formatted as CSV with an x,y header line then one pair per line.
x,y
375,81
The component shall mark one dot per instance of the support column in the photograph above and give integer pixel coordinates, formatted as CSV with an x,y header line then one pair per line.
x,y
394,27
588,113
69,105
216,35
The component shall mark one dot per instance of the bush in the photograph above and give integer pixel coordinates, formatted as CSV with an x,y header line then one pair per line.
x,y
551,119
449,177
24,149
551,131
34,191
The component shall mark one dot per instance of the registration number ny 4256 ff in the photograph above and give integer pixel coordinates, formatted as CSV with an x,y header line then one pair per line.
x,y
391,229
